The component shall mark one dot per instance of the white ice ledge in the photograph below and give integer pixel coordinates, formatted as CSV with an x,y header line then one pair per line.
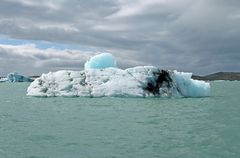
x,y
143,81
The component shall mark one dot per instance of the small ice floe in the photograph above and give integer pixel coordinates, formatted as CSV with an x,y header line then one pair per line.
x,y
3,79
15,77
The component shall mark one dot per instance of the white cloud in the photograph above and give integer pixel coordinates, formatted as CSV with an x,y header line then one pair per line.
x,y
37,60
30,60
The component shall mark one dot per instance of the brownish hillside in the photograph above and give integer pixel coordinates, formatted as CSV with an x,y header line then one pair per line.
x,y
219,76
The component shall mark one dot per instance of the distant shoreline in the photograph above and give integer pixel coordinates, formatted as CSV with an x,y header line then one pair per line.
x,y
230,76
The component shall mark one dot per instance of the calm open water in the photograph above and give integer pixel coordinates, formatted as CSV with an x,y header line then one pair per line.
x,y
61,127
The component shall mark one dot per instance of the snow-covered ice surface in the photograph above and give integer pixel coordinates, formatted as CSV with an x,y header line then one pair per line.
x,y
142,81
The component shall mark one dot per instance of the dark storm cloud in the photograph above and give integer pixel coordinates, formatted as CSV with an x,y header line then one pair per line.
x,y
199,36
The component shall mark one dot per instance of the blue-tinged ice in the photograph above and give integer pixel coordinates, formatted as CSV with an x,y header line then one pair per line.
x,y
189,87
15,77
100,61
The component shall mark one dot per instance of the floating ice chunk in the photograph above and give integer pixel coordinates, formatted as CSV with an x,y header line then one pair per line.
x,y
3,79
102,78
142,81
101,61
15,77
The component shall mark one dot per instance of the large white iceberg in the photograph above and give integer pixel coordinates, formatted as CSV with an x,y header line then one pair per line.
x,y
102,78
143,81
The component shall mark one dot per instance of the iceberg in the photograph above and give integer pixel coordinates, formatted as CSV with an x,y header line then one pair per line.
x,y
3,79
15,77
101,77
142,81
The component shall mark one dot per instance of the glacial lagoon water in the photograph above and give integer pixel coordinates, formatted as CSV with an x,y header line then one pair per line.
x,y
58,127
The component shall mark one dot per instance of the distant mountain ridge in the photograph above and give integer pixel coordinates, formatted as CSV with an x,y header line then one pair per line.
x,y
219,76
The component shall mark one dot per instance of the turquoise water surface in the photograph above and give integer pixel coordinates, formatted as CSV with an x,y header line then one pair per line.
x,y
59,127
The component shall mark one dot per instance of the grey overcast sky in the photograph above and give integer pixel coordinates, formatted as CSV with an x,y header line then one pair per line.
x,y
200,36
